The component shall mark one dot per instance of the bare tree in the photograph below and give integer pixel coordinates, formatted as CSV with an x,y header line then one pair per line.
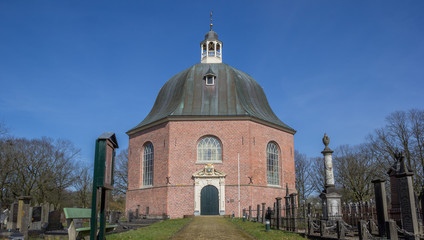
x,y
303,176
84,185
355,168
41,168
121,173
3,129
404,131
7,159
318,174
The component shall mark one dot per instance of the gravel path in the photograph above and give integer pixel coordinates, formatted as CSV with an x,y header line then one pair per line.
x,y
210,227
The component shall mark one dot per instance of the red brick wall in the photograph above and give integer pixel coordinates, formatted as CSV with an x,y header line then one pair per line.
x,y
177,159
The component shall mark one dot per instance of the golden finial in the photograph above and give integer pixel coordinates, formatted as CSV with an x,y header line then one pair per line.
x,y
211,20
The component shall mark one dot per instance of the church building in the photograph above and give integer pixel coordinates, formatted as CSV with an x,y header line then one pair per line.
x,y
211,145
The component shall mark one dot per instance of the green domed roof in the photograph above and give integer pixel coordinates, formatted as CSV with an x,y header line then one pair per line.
x,y
234,94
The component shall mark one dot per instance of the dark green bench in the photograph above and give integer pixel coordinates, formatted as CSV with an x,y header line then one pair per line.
x,y
75,232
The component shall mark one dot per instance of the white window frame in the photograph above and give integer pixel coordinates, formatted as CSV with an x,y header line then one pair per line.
x,y
209,150
273,164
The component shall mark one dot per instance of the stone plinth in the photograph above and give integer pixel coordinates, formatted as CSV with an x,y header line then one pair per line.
x,y
381,205
407,200
24,214
331,204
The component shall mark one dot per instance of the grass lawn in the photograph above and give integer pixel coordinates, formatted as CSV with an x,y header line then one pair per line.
x,y
258,230
159,230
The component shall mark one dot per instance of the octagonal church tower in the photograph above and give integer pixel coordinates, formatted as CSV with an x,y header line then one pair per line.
x,y
211,145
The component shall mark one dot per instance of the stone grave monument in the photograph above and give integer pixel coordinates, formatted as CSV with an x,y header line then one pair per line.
x,y
13,216
407,198
24,215
331,199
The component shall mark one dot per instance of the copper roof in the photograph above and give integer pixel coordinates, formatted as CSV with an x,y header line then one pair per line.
x,y
234,94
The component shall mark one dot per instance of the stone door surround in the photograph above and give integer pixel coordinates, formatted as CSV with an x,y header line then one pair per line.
x,y
209,176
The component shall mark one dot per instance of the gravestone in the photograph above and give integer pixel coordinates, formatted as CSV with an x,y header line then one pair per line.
x,y
394,193
113,217
78,223
130,216
381,205
3,218
391,231
36,218
278,215
250,213
24,214
263,212
293,211
287,211
407,199
45,209
54,221
13,216
258,213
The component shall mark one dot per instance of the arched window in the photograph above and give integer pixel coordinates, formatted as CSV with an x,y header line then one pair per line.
x,y
209,150
148,165
272,161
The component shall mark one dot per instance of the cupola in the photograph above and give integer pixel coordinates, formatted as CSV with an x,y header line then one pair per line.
x,y
211,47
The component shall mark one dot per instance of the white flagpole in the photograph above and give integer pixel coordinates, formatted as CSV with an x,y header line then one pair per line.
x,y
238,181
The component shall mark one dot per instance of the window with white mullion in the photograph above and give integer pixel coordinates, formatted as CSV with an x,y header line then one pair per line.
x,y
272,153
209,150
148,157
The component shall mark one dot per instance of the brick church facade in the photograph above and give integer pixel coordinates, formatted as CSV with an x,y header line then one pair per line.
x,y
211,145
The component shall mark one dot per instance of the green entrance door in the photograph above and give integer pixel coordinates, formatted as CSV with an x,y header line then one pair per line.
x,y
209,203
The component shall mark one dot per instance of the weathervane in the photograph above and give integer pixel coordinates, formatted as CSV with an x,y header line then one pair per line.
x,y
211,20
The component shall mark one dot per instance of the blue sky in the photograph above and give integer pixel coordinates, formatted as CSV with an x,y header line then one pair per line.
x,y
75,69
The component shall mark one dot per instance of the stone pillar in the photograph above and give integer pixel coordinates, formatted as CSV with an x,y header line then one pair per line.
x,y
310,227
250,213
258,213
113,219
263,212
293,212
322,226
391,231
331,200
278,215
287,211
45,209
309,210
394,192
362,228
407,199
422,207
30,217
24,215
328,162
381,205
340,230
130,216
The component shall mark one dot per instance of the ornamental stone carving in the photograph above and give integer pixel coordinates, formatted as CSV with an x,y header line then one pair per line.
x,y
209,176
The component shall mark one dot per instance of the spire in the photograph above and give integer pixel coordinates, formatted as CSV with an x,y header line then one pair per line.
x,y
211,21
211,47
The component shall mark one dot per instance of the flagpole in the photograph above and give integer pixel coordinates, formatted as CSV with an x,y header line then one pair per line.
x,y
238,181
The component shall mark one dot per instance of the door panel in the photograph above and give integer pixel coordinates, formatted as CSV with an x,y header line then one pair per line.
x,y
209,201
